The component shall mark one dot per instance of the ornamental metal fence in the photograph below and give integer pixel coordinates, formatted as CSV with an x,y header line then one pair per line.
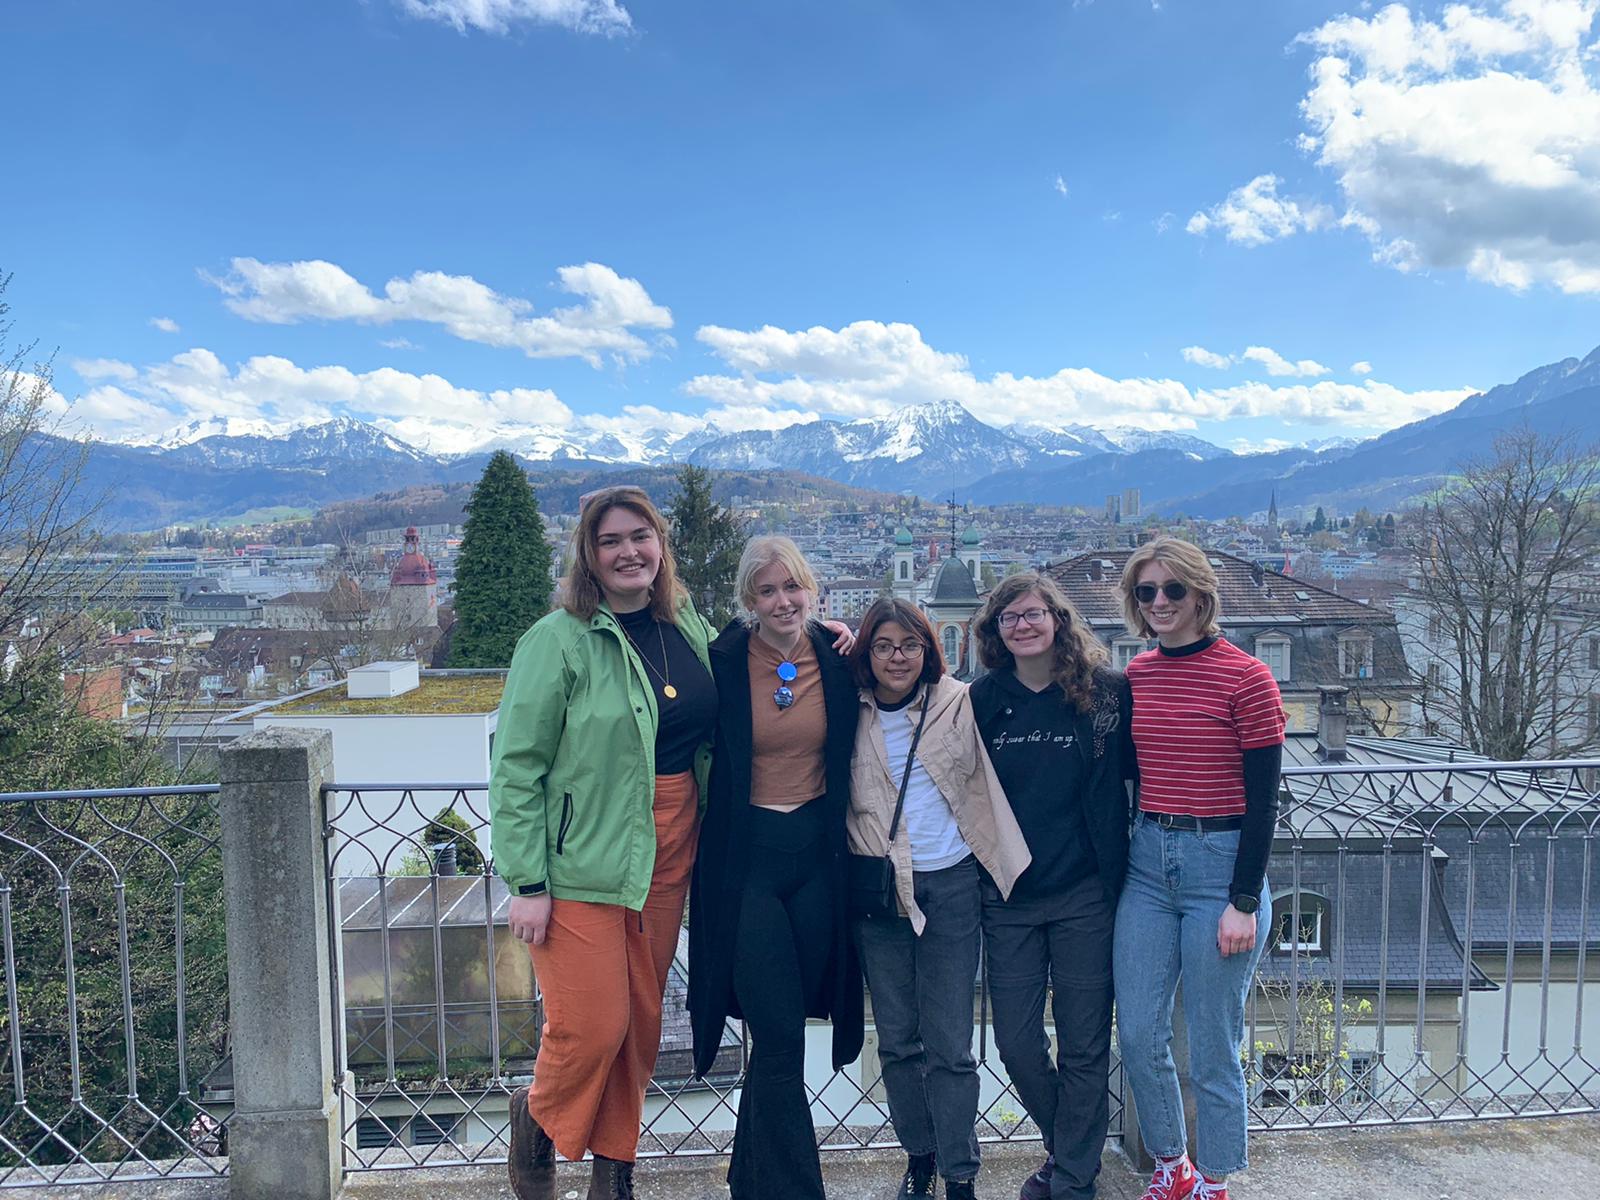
x,y
1431,957
116,987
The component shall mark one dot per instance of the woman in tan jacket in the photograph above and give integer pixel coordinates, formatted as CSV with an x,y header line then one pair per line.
x,y
917,733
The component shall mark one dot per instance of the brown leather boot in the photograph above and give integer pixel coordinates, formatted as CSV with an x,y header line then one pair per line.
x,y
532,1161
611,1180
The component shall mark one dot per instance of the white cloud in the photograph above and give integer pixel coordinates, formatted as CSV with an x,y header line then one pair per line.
x,y
1361,368
1255,214
398,344
103,368
1201,357
198,384
869,368
290,292
1061,187
1468,142
1278,365
1264,446
605,17
1164,222
165,324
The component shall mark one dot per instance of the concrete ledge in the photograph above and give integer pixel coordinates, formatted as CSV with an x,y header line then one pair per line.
x,y
1550,1158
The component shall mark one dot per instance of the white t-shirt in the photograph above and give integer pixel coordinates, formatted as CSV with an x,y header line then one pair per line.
x,y
936,841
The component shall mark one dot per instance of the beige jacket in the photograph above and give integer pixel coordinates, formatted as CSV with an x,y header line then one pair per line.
x,y
952,753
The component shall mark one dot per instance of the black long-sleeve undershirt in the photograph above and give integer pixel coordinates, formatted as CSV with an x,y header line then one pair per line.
x,y
1263,767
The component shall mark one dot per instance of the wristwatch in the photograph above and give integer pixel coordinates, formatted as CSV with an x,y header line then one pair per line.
x,y
1245,902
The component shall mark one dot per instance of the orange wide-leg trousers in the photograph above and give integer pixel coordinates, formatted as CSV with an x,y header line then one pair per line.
x,y
602,972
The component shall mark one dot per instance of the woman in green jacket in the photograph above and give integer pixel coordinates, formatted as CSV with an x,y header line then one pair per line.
x,y
600,762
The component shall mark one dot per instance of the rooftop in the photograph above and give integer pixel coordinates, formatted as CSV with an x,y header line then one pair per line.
x,y
440,693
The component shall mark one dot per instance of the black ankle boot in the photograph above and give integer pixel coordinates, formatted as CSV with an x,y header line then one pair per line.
x,y
532,1161
610,1179
919,1177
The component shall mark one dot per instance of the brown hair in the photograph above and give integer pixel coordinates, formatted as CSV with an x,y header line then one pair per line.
x,y
581,593
1077,652
910,618
1190,567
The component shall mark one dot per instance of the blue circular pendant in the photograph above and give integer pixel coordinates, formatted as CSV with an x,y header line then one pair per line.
x,y
787,671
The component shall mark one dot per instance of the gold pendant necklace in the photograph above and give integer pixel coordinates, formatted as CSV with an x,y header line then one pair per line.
x,y
665,671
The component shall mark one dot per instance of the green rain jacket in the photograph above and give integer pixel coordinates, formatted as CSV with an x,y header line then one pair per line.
x,y
572,785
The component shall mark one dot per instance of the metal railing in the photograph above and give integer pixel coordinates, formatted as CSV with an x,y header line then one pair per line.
x,y
442,1013
116,983
1430,957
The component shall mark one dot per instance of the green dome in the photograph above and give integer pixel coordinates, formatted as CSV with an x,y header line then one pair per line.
x,y
902,537
970,536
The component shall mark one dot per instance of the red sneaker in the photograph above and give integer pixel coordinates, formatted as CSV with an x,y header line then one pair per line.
x,y
1204,1189
1172,1180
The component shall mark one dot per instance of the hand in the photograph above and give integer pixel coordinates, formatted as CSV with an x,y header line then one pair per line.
x,y
1236,932
846,640
529,918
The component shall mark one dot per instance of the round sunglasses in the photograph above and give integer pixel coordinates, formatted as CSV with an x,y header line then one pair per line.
x,y
1145,593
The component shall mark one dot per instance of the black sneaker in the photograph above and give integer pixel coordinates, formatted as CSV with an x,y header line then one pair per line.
x,y
532,1160
919,1178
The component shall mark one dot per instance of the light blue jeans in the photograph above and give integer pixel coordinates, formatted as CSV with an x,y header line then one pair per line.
x,y
1177,888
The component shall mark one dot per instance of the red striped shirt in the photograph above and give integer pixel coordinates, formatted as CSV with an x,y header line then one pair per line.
x,y
1194,716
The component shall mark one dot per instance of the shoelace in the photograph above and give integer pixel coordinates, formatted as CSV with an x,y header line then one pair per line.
x,y
1161,1182
1204,1189
917,1184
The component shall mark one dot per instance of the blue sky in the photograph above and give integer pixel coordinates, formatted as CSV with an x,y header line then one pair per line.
x,y
1264,222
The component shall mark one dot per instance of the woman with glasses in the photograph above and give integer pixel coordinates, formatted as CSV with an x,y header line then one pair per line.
x,y
768,928
600,762
1208,724
924,794
1055,722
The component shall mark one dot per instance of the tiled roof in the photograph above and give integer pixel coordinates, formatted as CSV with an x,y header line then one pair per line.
x,y
953,584
1249,594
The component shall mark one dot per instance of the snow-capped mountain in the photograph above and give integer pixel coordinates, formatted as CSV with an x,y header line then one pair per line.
x,y
1062,441
921,448
1131,440
228,427
317,447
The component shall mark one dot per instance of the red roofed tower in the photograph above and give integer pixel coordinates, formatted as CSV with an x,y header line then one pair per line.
x,y
413,587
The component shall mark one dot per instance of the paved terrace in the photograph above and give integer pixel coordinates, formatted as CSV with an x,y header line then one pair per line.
x,y
1553,1158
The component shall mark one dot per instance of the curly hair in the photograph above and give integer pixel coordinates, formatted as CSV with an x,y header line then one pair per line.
x,y
1077,652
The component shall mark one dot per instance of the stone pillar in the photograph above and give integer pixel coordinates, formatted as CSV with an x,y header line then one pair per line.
x,y
283,1140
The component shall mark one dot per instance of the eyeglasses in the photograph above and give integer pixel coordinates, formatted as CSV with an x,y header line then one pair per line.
x,y
1028,616
1145,593
884,651
784,696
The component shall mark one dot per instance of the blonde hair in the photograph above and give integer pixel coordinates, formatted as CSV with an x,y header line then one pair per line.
x,y
1076,651
1189,566
759,554
581,593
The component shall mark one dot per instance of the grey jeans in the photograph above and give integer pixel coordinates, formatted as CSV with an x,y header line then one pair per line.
x,y
922,998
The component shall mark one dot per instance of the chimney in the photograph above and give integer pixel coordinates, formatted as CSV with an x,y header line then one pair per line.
x,y
444,858
1333,717
1258,574
1095,573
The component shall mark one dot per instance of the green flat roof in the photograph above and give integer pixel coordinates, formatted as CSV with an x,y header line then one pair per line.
x,y
436,696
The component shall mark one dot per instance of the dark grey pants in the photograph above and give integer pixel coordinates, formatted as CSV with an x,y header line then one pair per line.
x,y
1062,943
922,997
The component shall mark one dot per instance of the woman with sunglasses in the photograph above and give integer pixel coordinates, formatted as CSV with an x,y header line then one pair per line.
x,y
924,794
768,928
600,762
1054,720
1208,725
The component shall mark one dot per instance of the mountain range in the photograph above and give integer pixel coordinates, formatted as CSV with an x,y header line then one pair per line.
x,y
216,468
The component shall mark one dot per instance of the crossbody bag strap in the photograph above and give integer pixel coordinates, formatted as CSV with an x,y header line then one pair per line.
x,y
911,757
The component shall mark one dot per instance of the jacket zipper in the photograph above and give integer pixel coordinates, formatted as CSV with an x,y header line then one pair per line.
x,y
566,821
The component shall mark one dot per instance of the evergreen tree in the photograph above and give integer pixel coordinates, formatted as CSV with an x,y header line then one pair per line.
x,y
502,583
707,540
1320,521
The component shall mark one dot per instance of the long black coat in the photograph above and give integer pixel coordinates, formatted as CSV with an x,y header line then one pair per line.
x,y
719,870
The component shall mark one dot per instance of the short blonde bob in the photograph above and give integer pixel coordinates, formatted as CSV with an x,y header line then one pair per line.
x,y
1190,567
759,554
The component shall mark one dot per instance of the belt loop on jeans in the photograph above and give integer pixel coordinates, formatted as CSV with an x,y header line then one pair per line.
x,y
1193,824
